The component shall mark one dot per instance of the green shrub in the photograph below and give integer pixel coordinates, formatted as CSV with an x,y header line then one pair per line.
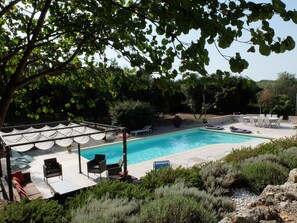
x,y
220,205
113,189
32,211
289,158
126,112
273,147
263,158
166,176
218,178
175,209
259,174
106,210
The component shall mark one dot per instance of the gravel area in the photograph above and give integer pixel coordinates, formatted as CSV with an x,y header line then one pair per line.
x,y
242,198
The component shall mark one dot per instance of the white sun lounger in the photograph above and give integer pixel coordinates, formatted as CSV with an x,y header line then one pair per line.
x,y
147,128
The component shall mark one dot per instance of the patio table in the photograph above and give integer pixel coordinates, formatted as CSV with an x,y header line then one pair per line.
x,y
62,187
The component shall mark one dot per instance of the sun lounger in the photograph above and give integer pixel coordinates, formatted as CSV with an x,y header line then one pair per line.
x,y
19,165
147,128
238,130
19,157
213,127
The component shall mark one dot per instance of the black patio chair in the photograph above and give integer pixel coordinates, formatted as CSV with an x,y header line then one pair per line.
x,y
115,165
114,173
52,168
97,165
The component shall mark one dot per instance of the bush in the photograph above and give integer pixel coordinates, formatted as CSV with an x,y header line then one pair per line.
x,y
167,176
32,211
113,189
106,210
273,147
263,158
289,158
220,205
126,112
175,209
218,178
259,174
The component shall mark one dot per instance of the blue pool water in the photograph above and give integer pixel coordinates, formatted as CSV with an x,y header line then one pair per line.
x,y
164,145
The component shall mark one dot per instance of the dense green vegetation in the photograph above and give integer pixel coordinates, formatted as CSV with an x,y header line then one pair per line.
x,y
198,194
125,113
59,39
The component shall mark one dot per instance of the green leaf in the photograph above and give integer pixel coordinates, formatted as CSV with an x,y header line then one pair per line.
x,y
294,17
264,49
290,43
238,64
279,6
251,49
44,109
179,47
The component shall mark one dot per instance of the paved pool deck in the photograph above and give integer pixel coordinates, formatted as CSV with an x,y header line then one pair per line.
x,y
74,180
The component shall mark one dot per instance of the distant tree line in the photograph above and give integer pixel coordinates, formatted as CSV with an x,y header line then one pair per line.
x,y
279,97
90,94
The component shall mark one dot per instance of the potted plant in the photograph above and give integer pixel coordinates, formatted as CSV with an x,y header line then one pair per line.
x,y
176,121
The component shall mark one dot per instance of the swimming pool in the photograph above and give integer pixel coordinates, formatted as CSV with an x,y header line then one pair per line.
x,y
163,145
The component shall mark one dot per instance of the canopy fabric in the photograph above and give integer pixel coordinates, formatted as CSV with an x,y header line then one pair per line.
x,y
46,137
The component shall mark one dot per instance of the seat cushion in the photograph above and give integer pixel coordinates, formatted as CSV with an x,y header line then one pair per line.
x,y
18,175
54,170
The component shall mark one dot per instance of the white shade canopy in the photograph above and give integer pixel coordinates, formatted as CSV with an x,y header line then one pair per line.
x,y
46,137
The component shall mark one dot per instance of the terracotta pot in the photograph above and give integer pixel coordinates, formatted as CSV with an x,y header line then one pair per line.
x,y
176,121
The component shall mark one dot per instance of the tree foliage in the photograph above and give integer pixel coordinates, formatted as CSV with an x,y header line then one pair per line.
x,y
221,91
40,38
279,96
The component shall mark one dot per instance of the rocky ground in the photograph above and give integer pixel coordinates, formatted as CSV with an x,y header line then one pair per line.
x,y
276,204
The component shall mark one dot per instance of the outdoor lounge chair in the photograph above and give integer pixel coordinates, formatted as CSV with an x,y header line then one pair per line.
x,y
147,128
52,168
238,130
19,165
214,127
161,164
115,165
97,165
19,157
114,173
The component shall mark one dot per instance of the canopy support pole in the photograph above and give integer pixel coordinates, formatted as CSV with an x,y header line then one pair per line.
x,y
79,158
125,153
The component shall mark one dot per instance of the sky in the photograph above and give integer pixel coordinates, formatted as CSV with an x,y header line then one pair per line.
x,y
260,67
264,67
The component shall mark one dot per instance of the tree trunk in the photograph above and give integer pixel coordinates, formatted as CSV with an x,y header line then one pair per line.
x,y
5,102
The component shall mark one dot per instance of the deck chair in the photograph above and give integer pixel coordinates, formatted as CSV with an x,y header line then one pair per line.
x,y
16,156
115,165
161,164
114,173
19,165
279,121
147,128
52,168
97,165
260,122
